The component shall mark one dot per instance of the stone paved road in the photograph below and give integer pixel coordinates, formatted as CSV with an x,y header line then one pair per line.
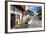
x,y
35,23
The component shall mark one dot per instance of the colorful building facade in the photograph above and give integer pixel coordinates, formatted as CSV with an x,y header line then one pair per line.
x,y
18,11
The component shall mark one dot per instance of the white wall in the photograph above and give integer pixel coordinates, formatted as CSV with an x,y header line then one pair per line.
x,y
2,17
17,11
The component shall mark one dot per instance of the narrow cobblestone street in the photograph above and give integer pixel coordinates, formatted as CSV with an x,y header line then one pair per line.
x,y
33,23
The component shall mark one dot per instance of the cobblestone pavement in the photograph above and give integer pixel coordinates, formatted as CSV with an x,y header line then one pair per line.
x,y
34,24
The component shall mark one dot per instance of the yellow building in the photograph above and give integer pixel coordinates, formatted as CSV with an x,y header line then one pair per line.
x,y
18,12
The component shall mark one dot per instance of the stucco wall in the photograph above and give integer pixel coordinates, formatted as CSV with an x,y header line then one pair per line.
x,y
17,12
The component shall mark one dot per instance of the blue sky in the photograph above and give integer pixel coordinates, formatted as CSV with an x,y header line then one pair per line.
x,y
33,8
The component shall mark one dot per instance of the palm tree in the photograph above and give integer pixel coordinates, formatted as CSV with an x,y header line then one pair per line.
x,y
39,12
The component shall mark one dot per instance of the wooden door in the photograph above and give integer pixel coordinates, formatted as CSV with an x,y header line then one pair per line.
x,y
12,20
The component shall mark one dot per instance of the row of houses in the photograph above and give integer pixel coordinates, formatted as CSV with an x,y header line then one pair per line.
x,y
17,13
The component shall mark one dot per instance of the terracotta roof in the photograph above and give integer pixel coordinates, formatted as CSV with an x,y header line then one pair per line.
x,y
20,7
